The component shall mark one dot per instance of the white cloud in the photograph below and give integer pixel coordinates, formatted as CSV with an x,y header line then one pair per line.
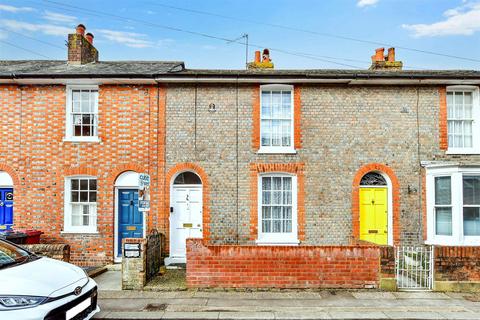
x,y
365,3
49,29
464,20
58,17
4,7
130,39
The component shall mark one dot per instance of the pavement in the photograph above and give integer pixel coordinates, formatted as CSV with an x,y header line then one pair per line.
x,y
284,304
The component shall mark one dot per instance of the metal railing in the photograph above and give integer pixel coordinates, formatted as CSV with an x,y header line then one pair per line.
x,y
414,267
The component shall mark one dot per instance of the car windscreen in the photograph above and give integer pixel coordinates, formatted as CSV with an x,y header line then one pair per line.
x,y
11,255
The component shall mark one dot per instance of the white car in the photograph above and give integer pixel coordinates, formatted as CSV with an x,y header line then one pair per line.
x,y
34,288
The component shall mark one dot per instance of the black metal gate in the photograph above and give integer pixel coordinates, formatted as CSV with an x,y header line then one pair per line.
x,y
154,253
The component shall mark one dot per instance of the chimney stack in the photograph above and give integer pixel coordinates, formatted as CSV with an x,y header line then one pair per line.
x,y
266,63
380,62
80,47
89,37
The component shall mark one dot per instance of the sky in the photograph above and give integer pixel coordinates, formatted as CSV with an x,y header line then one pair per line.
x,y
314,34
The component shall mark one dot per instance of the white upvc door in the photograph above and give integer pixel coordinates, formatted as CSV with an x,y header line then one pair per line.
x,y
185,220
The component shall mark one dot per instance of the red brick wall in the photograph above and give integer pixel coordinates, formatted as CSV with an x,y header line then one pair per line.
x,y
281,266
442,117
457,263
131,129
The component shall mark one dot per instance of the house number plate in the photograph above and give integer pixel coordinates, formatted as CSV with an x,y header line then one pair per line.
x,y
131,228
188,225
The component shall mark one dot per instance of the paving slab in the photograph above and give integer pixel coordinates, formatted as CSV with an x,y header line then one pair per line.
x,y
374,295
301,315
131,315
110,280
370,315
191,315
460,315
421,295
414,315
246,315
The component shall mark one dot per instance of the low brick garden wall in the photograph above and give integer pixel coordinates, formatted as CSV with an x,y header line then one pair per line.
x,y
232,266
54,251
457,263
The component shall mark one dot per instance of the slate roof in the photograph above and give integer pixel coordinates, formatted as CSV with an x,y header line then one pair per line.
x,y
153,69
61,69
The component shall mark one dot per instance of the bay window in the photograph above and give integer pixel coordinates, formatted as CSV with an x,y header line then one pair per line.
x,y
453,206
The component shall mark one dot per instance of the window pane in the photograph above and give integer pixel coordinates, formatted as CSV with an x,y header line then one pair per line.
x,y
266,132
83,196
467,131
458,105
77,131
471,190
277,213
93,196
450,106
76,215
93,184
277,226
266,197
286,133
471,221
266,226
74,196
85,102
266,213
287,213
287,183
286,104
74,184
84,184
266,183
468,98
276,104
442,190
77,119
266,105
87,131
277,183
276,133
277,197
443,221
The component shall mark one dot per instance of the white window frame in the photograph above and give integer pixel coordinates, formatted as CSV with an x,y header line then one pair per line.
x,y
476,120
278,149
68,115
271,238
67,216
456,173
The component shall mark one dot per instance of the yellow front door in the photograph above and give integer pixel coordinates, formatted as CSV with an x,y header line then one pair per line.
x,y
373,215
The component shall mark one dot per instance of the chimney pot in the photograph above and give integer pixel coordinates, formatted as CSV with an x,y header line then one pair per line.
x,y
379,54
89,37
266,55
257,56
391,55
80,29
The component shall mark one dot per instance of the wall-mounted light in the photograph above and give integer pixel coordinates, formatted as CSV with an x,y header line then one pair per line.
x,y
212,107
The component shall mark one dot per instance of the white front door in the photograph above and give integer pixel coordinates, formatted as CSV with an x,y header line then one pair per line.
x,y
185,219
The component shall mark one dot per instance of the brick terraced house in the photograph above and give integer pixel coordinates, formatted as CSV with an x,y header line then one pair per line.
x,y
238,157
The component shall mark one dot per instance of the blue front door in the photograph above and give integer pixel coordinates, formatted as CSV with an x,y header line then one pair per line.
x,y
6,208
130,220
